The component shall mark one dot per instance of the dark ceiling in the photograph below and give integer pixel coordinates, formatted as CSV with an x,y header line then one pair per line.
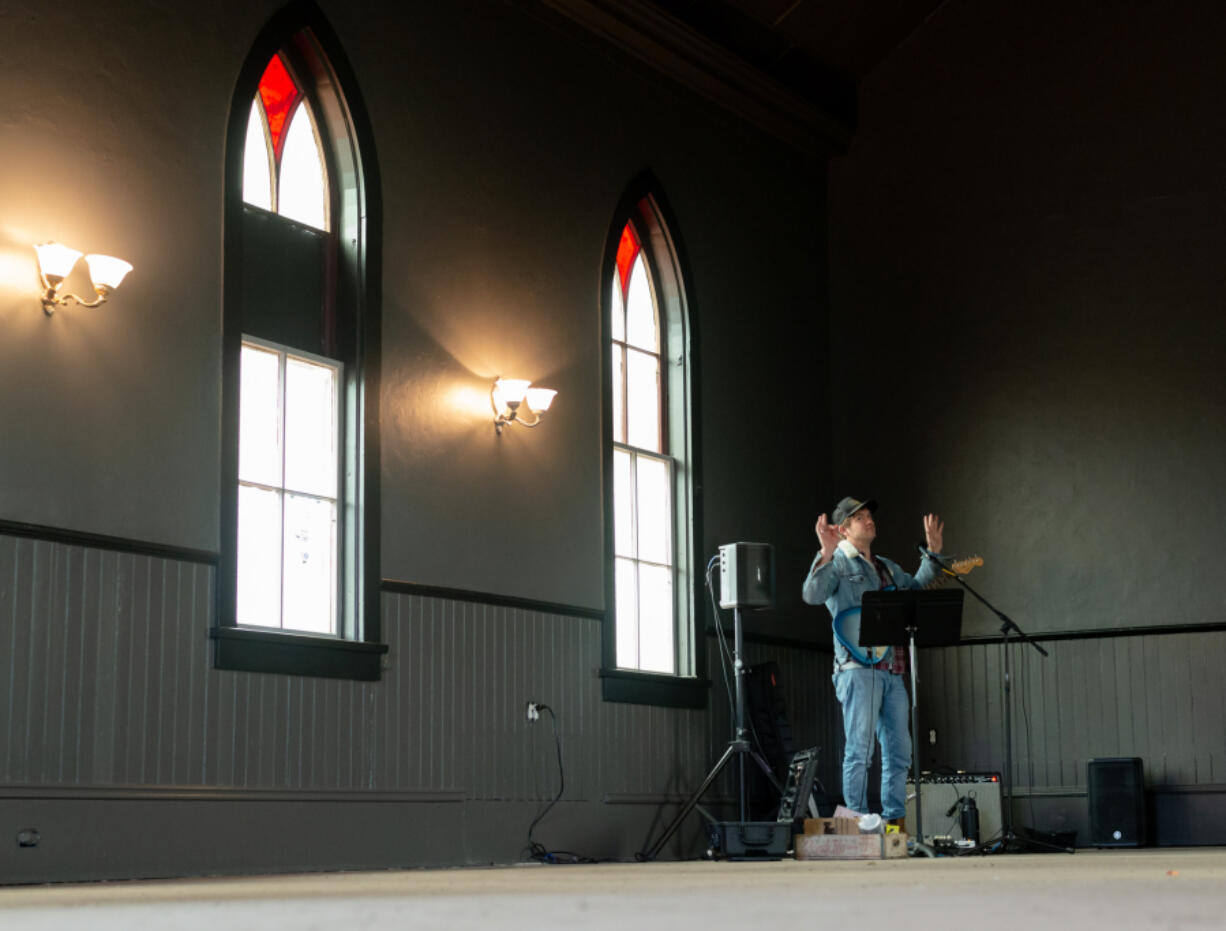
x,y
821,49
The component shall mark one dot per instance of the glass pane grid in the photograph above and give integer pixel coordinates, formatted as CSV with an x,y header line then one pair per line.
x,y
288,498
644,474
642,331
646,637
301,181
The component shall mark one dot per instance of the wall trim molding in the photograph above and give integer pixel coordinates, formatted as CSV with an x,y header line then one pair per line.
x,y
397,587
104,542
1021,793
138,547
654,798
1100,634
164,793
1108,633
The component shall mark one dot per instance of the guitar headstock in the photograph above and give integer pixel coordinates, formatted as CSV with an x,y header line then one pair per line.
x,y
963,566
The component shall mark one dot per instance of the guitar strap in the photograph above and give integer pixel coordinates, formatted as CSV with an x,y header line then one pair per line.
x,y
885,581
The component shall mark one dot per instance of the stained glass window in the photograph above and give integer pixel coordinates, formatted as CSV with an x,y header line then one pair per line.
x,y
283,164
642,472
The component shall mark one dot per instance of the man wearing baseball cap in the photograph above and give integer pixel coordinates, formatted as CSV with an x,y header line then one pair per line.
x,y
868,681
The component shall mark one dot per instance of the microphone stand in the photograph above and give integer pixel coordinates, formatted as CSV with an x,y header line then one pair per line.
x,y
1008,836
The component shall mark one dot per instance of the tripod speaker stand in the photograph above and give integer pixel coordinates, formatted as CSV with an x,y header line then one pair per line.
x,y
746,580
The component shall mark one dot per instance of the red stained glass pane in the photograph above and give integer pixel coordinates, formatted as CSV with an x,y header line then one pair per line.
x,y
627,251
279,94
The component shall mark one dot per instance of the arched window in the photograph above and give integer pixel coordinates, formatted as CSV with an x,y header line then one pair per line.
x,y
650,650
642,471
283,163
300,364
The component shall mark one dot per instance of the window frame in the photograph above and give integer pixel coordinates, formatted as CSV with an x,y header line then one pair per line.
x,y
644,207
350,313
284,355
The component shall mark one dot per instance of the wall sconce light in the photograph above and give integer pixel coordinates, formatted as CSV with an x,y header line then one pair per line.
x,y
56,261
510,397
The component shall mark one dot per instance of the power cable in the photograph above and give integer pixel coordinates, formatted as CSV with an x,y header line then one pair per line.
x,y
535,850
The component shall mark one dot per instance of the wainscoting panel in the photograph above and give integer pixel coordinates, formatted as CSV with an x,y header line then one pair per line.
x,y
109,697
1161,697
107,681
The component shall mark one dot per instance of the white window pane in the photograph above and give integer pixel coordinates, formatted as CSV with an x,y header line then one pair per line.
x,y
259,557
259,419
643,400
310,427
618,308
301,190
623,504
257,160
641,310
310,564
618,362
653,479
656,653
627,614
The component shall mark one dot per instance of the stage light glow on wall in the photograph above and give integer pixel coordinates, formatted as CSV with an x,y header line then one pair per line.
x,y
56,262
514,399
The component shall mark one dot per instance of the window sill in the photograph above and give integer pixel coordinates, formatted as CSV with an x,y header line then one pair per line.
x,y
246,650
652,688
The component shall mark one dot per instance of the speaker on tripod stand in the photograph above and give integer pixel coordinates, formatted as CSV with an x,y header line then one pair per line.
x,y
746,575
747,580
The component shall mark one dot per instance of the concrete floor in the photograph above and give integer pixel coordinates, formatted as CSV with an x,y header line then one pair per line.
x,y
1119,889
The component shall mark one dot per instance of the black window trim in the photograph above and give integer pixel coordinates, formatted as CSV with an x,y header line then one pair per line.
x,y
302,27
645,205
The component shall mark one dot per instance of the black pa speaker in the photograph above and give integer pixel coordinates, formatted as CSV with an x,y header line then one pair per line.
x,y
1116,790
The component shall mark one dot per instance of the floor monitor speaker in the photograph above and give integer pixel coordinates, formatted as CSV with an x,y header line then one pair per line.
x,y
1116,792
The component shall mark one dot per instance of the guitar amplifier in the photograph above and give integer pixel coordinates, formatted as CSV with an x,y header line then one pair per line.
x,y
940,801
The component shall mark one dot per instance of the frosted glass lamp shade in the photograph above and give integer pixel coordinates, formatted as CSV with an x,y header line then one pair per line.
x,y
539,399
512,389
55,261
106,271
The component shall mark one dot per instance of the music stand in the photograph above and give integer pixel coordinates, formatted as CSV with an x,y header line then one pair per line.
x,y
918,618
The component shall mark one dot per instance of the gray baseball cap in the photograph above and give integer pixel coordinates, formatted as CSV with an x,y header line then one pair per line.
x,y
848,506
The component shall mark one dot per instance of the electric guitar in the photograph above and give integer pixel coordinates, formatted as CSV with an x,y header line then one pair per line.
x,y
870,656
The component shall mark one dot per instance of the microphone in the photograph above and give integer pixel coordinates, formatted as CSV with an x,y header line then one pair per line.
x,y
954,807
924,551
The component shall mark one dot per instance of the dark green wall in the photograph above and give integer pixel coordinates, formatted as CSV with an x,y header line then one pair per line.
x,y
505,139
1027,242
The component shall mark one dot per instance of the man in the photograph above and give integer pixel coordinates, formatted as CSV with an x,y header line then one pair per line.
x,y
869,686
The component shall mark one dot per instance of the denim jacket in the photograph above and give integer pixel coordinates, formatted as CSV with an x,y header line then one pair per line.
x,y
842,582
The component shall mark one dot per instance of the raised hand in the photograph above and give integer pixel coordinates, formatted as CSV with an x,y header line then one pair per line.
x,y
934,532
829,534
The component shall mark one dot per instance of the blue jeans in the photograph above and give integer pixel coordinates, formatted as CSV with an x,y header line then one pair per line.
x,y
874,701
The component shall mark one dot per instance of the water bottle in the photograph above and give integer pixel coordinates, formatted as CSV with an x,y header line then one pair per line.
x,y
970,820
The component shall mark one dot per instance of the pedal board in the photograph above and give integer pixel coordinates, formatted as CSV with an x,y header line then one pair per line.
x,y
798,790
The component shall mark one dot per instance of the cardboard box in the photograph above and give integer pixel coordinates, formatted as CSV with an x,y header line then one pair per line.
x,y
850,847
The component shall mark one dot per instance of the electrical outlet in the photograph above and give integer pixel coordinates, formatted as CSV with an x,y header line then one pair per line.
x,y
932,737
533,711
